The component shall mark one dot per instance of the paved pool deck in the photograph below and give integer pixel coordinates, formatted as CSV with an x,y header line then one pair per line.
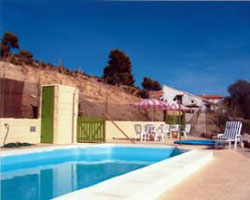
x,y
226,177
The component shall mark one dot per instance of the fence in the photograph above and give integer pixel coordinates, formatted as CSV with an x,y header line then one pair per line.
x,y
90,129
19,99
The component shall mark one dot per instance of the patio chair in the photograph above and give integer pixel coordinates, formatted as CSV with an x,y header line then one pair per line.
x,y
159,133
143,133
231,133
166,130
148,130
187,130
138,130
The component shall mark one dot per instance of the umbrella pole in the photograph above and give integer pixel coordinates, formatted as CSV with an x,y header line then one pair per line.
x,y
174,116
139,114
154,114
179,98
165,116
179,124
139,110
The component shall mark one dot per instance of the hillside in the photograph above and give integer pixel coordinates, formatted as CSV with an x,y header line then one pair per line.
x,y
92,94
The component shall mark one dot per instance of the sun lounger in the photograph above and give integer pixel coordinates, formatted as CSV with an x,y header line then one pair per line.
x,y
231,134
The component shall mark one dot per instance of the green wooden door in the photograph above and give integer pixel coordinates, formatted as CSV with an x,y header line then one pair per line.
x,y
47,121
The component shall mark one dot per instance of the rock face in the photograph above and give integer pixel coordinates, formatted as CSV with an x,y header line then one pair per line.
x,y
92,94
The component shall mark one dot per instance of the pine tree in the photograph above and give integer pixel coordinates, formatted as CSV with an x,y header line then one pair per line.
x,y
9,40
119,69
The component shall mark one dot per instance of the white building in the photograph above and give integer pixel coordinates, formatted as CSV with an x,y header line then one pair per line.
x,y
190,100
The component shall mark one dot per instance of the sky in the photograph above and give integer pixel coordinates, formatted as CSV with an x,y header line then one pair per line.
x,y
198,47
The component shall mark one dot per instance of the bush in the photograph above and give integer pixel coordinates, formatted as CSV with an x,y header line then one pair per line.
x,y
151,85
143,94
26,56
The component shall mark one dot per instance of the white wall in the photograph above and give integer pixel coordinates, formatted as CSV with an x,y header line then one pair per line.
x,y
19,130
188,99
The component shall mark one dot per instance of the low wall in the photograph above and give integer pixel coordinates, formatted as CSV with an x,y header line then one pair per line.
x,y
114,134
20,130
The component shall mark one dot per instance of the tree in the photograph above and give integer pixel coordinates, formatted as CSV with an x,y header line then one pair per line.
x,y
119,69
26,56
143,94
9,40
151,85
239,98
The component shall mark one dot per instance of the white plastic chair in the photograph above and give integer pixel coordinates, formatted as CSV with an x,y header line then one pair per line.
x,y
187,130
142,133
145,134
166,130
159,133
138,130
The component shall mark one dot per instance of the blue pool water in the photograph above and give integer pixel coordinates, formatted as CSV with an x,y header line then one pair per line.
x,y
45,175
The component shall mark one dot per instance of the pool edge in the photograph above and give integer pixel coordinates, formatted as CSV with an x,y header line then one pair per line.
x,y
146,183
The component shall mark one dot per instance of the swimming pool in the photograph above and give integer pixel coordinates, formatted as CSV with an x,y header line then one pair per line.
x,y
52,173
200,142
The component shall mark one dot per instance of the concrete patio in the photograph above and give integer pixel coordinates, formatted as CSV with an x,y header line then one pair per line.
x,y
227,177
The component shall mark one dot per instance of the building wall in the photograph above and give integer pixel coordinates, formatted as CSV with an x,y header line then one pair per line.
x,y
215,101
65,117
65,114
127,126
19,130
188,99
65,121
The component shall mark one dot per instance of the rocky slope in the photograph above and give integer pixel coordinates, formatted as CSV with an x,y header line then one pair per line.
x,y
92,94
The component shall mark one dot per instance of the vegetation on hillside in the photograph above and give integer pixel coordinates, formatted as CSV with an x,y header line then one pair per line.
x,y
238,100
117,72
143,94
9,41
151,85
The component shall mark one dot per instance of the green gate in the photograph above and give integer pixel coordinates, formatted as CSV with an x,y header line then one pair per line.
x,y
90,129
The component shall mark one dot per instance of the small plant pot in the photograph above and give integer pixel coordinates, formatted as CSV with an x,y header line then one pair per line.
x,y
175,134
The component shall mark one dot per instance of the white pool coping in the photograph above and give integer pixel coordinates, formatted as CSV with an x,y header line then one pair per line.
x,y
146,183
